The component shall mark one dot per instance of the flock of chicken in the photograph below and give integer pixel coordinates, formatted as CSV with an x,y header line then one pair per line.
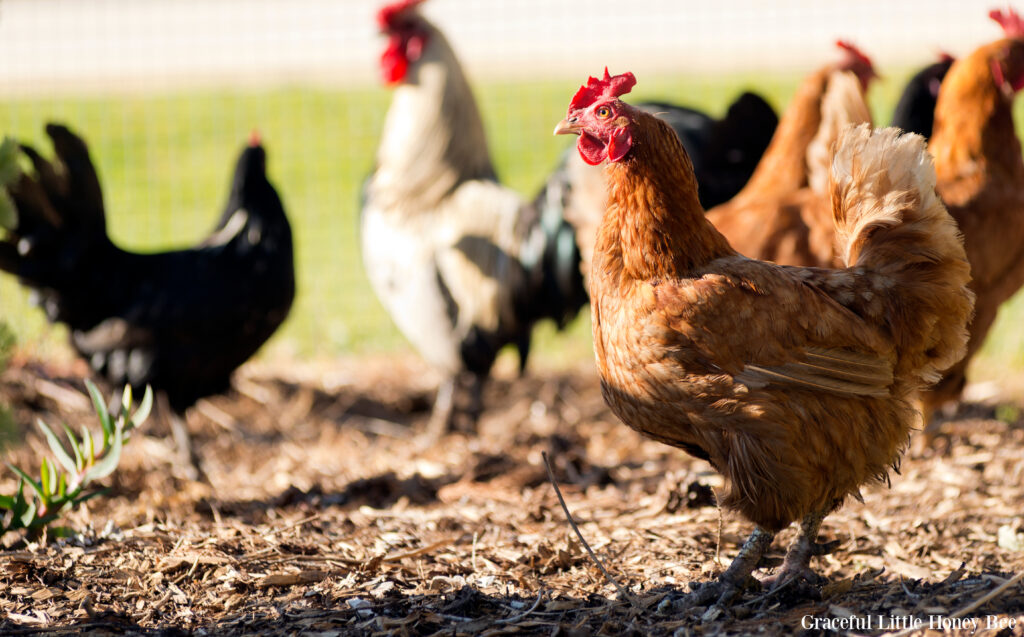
x,y
780,297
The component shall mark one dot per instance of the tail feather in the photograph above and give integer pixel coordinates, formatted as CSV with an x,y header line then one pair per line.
x,y
550,254
842,105
892,226
60,223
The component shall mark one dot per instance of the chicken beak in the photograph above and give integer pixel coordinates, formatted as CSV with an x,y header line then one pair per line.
x,y
568,126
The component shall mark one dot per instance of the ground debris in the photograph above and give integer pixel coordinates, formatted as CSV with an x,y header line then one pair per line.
x,y
330,514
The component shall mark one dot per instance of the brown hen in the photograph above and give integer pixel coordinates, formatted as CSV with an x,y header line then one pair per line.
x,y
795,383
782,213
981,180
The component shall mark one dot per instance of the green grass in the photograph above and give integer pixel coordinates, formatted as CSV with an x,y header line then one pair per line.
x,y
165,162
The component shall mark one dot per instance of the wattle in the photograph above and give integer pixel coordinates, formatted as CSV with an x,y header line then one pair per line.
x,y
592,150
393,62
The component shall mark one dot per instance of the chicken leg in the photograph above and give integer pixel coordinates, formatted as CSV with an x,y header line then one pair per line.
x,y
444,406
731,582
797,563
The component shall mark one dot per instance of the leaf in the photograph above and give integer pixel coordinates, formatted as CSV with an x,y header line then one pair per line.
x,y
126,399
46,479
26,516
106,466
32,483
56,447
142,413
6,502
89,448
76,447
90,496
101,410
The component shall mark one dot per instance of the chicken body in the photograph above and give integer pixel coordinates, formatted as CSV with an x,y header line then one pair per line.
x,y
462,264
915,110
981,180
795,383
180,321
782,214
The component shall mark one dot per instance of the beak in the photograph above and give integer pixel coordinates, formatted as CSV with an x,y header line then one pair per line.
x,y
568,126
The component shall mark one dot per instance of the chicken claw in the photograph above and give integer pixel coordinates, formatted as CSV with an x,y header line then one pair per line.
x,y
734,580
797,564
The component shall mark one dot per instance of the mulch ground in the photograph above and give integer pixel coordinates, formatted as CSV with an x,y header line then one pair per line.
x,y
330,513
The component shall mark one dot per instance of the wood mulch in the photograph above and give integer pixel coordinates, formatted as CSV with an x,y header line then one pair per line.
x,y
330,513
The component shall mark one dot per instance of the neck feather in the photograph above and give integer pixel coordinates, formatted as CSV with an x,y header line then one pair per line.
x,y
654,226
974,135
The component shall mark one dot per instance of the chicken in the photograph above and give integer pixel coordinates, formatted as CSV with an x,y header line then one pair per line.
x,y
724,153
981,180
782,213
915,110
795,383
463,265
181,321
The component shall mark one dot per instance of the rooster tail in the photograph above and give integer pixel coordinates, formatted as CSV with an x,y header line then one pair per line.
x,y
60,223
550,256
892,227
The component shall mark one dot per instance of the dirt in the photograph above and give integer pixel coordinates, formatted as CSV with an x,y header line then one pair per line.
x,y
330,512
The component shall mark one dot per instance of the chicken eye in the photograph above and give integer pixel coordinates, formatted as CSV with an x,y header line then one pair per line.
x,y
603,112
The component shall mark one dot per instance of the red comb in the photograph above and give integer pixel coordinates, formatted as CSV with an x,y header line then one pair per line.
x,y
946,56
610,87
389,12
254,138
1011,22
854,52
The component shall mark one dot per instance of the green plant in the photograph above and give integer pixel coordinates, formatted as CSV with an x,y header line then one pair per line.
x,y
63,480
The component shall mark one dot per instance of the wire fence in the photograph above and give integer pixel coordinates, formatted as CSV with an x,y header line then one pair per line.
x,y
166,92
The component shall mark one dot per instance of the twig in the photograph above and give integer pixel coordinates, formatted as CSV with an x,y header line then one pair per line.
x,y
62,395
475,535
721,524
568,516
216,415
981,601
420,551
515,618
270,534
986,598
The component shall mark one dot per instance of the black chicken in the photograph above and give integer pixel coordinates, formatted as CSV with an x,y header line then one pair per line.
x,y
915,111
724,152
181,321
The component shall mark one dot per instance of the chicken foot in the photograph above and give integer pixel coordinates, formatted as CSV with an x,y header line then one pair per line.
x,y
732,582
185,462
444,408
797,564
458,405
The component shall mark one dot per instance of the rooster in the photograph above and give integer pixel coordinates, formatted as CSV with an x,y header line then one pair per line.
x,y
782,213
915,110
795,383
181,321
981,180
463,265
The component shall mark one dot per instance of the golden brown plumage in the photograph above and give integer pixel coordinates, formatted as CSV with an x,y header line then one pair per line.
x,y
782,214
981,180
794,382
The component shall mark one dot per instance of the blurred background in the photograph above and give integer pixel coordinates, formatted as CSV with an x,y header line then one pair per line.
x,y
167,91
